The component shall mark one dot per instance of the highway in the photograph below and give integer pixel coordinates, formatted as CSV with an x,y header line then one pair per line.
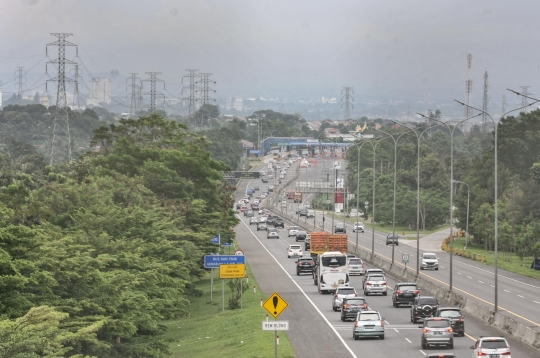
x,y
316,330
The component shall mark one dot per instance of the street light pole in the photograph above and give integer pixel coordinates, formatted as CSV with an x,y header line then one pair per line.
x,y
468,201
496,248
373,200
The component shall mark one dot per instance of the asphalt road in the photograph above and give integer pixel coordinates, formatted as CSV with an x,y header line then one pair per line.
x,y
316,330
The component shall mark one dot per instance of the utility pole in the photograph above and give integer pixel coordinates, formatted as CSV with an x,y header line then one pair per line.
x,y
468,89
133,108
61,138
76,96
153,92
485,101
504,104
347,91
192,75
524,101
20,77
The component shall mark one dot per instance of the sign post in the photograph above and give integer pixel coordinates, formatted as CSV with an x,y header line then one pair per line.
x,y
405,259
275,305
215,240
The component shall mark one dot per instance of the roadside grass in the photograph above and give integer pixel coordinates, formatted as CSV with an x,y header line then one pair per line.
x,y
209,332
507,261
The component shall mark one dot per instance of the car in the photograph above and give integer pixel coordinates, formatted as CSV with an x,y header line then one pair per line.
x,y
392,239
256,188
310,213
243,209
263,218
437,331
370,272
278,222
255,207
351,306
271,188
375,283
455,316
264,180
302,211
340,294
270,219
405,293
272,233
491,347
305,264
358,226
262,226
355,266
249,213
263,195
423,307
368,324
253,220
294,250
300,235
307,243
429,261
340,227
283,204
293,230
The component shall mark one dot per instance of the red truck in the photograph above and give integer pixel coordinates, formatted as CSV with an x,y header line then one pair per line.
x,y
290,193
323,241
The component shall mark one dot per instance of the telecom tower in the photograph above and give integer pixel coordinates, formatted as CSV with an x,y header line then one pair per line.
x,y
76,96
205,89
61,139
468,89
348,105
485,101
192,90
134,108
153,92
524,101
20,77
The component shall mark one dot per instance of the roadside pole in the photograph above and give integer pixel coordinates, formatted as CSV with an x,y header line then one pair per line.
x,y
223,295
211,283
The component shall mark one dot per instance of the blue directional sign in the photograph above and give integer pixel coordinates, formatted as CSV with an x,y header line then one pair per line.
x,y
213,261
216,240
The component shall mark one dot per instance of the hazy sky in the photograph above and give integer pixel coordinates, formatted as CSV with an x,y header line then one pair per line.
x,y
393,49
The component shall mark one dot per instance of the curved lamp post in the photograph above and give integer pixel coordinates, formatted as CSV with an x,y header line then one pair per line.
x,y
495,125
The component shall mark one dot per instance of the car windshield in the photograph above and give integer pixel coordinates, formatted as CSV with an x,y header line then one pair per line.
x,y
368,317
345,291
359,224
407,288
301,233
375,278
355,262
428,301
450,314
334,261
494,344
356,301
339,225
295,247
430,257
306,260
437,324
293,228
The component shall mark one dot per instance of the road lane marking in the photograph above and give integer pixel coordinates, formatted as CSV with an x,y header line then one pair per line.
x,y
396,330
520,296
480,281
471,337
536,302
506,291
421,351
407,339
459,273
469,277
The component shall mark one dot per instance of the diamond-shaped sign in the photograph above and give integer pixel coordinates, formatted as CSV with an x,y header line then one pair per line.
x,y
275,305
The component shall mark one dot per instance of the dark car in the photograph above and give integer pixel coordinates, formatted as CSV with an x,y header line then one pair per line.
x,y
307,244
392,239
264,180
301,235
256,188
454,315
270,219
305,264
261,226
351,306
278,222
340,227
423,307
405,293
249,213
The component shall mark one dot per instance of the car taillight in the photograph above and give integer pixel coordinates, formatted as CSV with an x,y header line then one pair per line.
x,y
398,292
383,283
313,264
425,330
365,305
449,330
506,353
355,294
336,295
460,319
362,265
382,323
481,354
417,292
345,306
369,283
356,324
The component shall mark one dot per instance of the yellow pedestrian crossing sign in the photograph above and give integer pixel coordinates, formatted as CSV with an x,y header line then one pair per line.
x,y
275,305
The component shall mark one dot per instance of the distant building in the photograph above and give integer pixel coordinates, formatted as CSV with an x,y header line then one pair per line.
x,y
235,103
100,91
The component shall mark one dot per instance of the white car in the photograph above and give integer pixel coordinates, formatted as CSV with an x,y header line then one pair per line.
x,y
263,218
263,195
294,250
271,188
429,261
355,266
358,226
293,230
491,347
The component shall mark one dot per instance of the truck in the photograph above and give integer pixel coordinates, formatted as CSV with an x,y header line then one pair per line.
x,y
323,241
250,192
290,193
297,197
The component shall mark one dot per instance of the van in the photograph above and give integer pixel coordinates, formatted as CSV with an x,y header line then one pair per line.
x,y
302,211
310,213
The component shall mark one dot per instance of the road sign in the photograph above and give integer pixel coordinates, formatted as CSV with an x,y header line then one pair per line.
x,y
275,305
405,258
216,240
275,325
327,201
239,253
214,261
232,271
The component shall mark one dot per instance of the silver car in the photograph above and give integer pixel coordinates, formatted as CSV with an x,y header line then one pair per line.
x,y
375,284
358,226
368,324
491,347
293,230
341,293
355,266
437,331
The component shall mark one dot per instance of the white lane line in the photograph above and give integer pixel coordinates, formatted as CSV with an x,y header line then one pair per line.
x,y
520,296
459,273
421,351
396,330
481,281
492,286
506,291
469,277
385,321
408,340
441,266
536,302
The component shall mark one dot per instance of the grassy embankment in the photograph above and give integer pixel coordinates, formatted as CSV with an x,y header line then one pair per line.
x,y
209,332
507,261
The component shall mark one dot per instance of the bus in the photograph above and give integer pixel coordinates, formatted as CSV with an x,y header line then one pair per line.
x,y
297,197
332,271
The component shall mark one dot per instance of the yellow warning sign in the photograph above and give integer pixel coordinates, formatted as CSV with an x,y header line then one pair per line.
x,y
232,271
275,305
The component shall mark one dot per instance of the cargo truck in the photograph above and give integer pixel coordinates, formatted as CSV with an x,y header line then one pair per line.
x,y
290,193
323,241
297,197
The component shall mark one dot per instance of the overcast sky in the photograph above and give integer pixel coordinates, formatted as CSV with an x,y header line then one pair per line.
x,y
394,49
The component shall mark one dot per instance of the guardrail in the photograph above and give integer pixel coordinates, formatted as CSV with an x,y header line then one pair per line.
x,y
461,252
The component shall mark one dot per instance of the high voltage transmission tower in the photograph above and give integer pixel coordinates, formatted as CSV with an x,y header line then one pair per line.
x,y
192,90
61,139
524,102
468,89
135,106
204,88
153,92
20,77
485,101
76,96
348,105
